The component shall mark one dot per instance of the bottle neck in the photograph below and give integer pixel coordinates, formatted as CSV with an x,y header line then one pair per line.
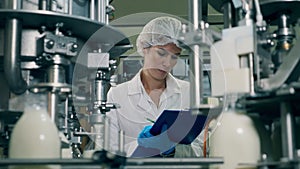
x,y
231,101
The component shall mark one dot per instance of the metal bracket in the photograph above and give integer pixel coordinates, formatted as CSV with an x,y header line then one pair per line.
x,y
285,71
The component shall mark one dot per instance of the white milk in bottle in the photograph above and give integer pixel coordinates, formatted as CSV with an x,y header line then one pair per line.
x,y
35,136
234,138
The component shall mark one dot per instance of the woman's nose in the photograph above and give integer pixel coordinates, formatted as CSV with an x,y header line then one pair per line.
x,y
167,61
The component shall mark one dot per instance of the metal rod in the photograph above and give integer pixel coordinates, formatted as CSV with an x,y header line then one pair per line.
x,y
195,14
105,11
287,131
70,9
52,102
66,115
56,74
13,4
196,88
102,11
92,9
172,161
147,162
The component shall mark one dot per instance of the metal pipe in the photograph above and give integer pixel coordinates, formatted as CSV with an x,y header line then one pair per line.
x,y
92,9
287,131
56,74
13,4
101,7
53,73
195,14
52,102
66,126
70,8
12,52
105,11
196,88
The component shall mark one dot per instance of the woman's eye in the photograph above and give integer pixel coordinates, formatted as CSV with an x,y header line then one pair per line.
x,y
162,53
175,56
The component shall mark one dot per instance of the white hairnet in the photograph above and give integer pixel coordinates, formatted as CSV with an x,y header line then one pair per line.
x,y
159,31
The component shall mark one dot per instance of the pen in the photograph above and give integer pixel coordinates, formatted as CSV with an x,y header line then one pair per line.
x,y
152,121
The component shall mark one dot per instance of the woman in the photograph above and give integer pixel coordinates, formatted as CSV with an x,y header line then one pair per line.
x,y
153,89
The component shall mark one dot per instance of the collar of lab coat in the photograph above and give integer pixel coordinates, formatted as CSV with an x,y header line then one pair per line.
x,y
136,86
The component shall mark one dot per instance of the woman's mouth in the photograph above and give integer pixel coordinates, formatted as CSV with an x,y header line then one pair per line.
x,y
162,71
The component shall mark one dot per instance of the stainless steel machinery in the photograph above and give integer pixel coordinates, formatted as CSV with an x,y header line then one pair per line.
x,y
66,49
41,41
258,57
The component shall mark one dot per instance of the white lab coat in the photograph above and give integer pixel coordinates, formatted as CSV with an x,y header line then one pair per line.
x,y
136,106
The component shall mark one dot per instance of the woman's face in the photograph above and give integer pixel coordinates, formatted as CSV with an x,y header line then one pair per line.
x,y
159,60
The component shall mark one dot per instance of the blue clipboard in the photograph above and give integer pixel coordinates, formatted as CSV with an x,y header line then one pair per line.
x,y
182,126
